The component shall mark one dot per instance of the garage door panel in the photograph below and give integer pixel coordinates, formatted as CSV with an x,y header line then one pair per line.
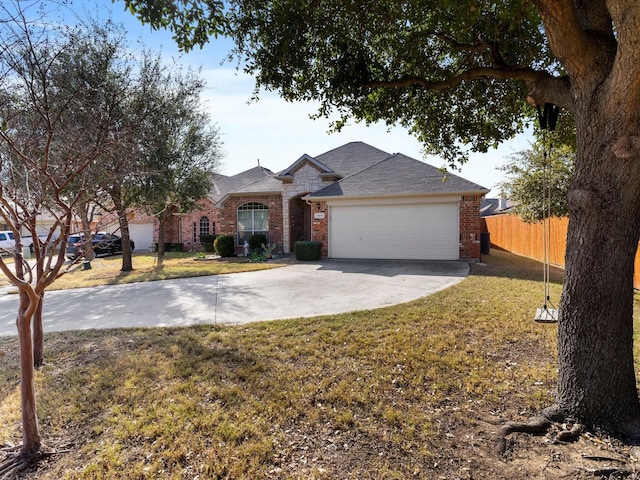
x,y
428,231
142,235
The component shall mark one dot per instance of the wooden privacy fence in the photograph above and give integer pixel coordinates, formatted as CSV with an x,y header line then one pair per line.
x,y
510,233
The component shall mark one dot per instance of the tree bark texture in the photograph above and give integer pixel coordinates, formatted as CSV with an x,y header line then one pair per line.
x,y
596,380
596,375
161,220
38,335
30,432
127,261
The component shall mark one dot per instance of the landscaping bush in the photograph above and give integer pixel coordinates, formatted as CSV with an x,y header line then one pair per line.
x,y
207,242
307,251
225,245
256,241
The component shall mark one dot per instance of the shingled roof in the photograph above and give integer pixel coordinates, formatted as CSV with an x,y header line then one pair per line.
x,y
351,158
363,171
223,184
264,185
399,175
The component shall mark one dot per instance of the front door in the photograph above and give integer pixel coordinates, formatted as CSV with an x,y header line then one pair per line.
x,y
299,221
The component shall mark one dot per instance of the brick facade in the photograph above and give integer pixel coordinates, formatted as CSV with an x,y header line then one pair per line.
x,y
320,227
306,179
185,227
281,227
188,229
290,217
470,227
228,217
299,221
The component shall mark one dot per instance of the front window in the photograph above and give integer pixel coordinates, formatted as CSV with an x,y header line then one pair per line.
x,y
204,226
253,218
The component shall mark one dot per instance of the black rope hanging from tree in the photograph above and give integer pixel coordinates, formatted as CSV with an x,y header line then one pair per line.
x,y
548,118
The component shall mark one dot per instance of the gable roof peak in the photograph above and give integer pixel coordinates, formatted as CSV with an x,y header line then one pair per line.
x,y
399,174
223,184
287,174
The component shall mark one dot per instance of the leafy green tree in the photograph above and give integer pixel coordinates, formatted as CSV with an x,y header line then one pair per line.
x,y
192,22
164,149
538,181
180,148
73,125
101,63
456,74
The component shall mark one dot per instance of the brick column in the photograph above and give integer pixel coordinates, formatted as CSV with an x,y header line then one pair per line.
x,y
470,227
320,227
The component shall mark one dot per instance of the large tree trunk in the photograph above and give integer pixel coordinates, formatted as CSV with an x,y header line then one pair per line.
x,y
127,261
596,381
87,248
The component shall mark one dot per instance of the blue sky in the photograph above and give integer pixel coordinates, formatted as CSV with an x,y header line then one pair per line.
x,y
272,131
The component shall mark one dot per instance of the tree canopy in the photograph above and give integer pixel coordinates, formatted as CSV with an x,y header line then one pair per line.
x,y
180,147
192,22
440,69
537,181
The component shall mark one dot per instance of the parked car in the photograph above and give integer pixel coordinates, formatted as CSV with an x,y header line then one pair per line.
x,y
7,242
27,241
103,244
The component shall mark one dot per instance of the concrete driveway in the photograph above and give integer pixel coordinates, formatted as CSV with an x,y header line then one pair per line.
x,y
299,290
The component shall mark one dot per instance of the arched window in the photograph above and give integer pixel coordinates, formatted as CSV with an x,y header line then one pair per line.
x,y
204,225
252,218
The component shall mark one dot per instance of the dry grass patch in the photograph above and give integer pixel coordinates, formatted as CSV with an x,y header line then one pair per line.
x,y
106,270
395,393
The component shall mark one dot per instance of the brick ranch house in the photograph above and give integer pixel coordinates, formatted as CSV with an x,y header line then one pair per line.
x,y
359,201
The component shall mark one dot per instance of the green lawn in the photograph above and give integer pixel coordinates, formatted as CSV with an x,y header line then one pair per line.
x,y
396,393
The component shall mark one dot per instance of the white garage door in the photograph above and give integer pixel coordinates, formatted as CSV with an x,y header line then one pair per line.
x,y
425,231
142,235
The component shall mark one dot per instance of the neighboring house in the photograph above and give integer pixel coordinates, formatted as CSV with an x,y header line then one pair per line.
x,y
44,223
184,228
359,201
494,206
